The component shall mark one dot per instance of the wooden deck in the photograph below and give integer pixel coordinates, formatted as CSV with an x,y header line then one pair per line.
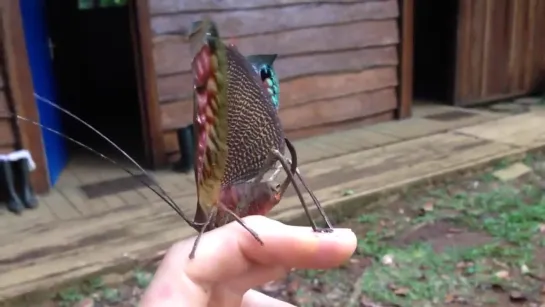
x,y
69,237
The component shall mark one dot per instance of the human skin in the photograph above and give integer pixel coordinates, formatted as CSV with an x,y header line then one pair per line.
x,y
229,262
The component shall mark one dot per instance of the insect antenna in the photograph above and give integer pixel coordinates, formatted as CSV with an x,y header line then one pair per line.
x,y
51,103
295,170
164,196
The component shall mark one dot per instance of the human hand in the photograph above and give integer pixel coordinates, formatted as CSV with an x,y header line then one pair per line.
x,y
229,262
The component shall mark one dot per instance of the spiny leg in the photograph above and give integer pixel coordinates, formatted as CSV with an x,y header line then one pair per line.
x,y
289,171
276,172
293,154
241,222
210,220
270,159
314,199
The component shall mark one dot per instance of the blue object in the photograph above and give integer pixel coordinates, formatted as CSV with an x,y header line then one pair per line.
x,y
41,67
263,66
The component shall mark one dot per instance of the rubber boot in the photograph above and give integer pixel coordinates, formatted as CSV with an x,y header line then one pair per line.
x,y
23,185
14,203
187,149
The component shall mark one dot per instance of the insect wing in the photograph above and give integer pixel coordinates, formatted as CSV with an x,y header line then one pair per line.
x,y
209,68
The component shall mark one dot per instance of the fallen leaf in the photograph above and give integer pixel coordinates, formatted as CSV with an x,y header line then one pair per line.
x,y
502,274
87,302
387,259
542,228
401,291
366,302
348,192
463,265
427,207
449,298
517,296
524,269
293,286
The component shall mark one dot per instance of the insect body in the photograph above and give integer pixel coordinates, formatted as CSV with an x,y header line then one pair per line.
x,y
251,144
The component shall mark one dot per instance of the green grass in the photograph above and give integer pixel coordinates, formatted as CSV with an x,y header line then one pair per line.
x,y
512,217
96,288
142,278
511,214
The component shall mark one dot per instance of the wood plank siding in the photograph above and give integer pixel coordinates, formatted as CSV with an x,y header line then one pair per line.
x,y
501,50
7,127
16,95
337,61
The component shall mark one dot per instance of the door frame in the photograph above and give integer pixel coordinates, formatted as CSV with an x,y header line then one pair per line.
x,y
19,89
406,61
147,83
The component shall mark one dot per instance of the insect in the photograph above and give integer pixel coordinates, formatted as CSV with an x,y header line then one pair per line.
x,y
239,135
228,98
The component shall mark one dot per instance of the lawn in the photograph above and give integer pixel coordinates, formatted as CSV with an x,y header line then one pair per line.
x,y
474,241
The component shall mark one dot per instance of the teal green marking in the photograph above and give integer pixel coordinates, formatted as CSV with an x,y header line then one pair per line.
x,y
263,66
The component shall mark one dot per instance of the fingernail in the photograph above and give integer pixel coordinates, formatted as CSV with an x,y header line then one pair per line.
x,y
337,232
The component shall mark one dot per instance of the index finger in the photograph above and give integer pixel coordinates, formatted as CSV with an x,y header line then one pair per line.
x,y
230,251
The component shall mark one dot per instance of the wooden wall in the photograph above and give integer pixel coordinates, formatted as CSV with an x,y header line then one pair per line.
x,y
7,127
7,131
337,60
501,49
16,95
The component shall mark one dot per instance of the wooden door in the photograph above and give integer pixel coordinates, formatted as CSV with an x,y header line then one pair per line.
x,y
500,49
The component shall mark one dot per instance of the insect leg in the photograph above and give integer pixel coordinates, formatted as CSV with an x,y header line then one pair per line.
x,y
293,154
270,159
276,172
210,220
290,171
241,222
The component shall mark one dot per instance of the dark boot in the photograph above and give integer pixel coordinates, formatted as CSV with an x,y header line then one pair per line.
x,y
22,183
14,203
187,149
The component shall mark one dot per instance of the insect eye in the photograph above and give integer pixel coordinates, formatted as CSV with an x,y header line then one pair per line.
x,y
265,73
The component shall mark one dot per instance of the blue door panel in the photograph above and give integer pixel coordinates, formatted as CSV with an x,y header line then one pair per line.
x,y
41,66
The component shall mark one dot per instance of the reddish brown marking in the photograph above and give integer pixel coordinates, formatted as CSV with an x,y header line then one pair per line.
x,y
201,66
203,72
248,199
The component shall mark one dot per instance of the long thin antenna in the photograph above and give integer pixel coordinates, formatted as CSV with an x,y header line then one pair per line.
x,y
51,103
